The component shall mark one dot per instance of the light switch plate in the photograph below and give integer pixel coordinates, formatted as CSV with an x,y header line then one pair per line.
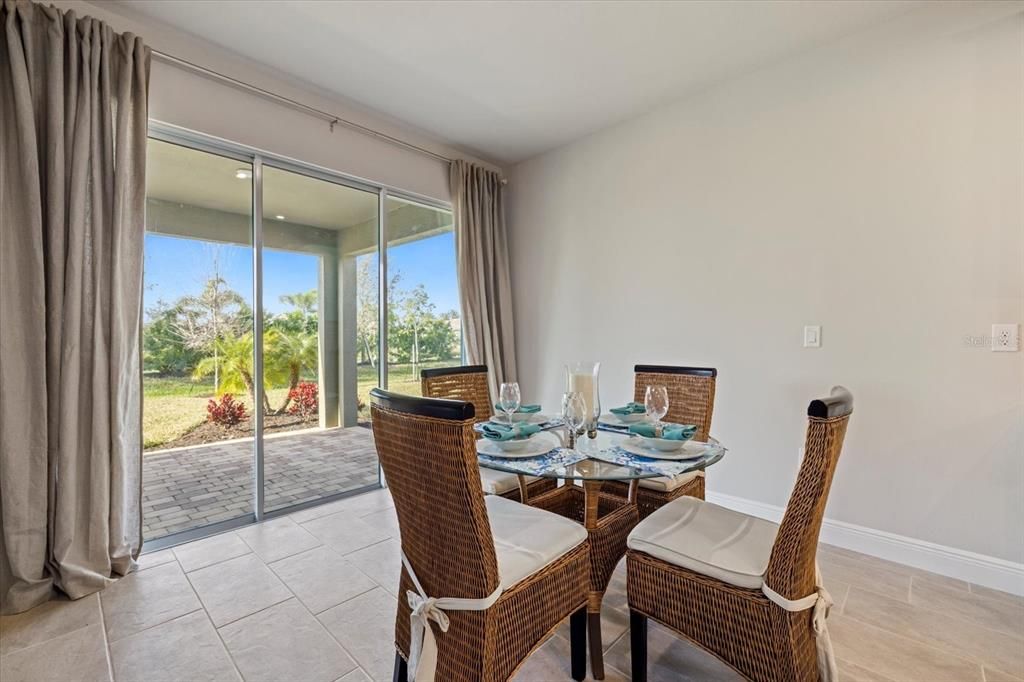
x,y
1005,337
812,336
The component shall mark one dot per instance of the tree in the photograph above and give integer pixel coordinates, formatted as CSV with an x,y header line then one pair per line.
x,y
305,302
233,360
287,353
303,318
416,310
214,315
163,349
368,308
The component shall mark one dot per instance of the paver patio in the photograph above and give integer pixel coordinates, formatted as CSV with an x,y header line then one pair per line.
x,y
195,486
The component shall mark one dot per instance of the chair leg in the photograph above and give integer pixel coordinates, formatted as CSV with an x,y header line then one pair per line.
x,y
595,640
578,643
638,644
401,668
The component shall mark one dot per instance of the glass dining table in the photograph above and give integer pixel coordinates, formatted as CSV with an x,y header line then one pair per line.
x,y
611,456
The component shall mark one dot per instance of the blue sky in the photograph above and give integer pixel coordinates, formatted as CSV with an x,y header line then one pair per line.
x,y
175,267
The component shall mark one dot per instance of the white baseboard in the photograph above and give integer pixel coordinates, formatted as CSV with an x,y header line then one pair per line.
x,y
979,569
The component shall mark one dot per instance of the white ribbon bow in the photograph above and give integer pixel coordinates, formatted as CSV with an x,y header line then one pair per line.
x,y
822,602
422,644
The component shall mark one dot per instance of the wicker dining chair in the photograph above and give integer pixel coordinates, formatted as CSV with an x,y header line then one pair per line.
x,y
691,400
469,383
745,589
459,544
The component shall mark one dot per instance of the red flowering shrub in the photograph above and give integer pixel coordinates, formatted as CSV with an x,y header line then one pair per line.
x,y
305,400
226,411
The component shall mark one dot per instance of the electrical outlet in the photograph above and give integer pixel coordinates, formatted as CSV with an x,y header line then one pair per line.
x,y
1005,337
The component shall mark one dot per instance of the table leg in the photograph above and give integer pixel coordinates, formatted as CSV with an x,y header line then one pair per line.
x,y
591,501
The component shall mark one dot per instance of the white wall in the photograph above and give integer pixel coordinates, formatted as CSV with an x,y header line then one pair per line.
x,y
212,107
874,187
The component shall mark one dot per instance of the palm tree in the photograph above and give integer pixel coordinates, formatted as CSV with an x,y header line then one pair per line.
x,y
233,358
305,301
287,354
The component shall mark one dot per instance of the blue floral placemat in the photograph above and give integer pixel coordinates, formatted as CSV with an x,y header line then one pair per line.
x,y
660,467
540,464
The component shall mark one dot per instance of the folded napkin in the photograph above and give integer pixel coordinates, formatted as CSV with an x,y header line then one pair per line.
x,y
525,409
670,432
494,431
629,408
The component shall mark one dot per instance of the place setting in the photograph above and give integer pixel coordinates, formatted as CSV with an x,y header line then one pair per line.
x,y
523,432
520,437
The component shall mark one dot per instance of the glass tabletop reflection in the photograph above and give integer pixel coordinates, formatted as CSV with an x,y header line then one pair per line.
x,y
558,462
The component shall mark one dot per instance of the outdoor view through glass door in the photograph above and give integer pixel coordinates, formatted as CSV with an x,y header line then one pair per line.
x,y
197,340
314,233
238,389
424,325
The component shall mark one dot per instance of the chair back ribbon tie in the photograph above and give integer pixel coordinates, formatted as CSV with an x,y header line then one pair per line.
x,y
821,602
422,644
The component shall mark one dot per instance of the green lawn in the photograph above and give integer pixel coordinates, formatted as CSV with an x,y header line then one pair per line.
x,y
173,405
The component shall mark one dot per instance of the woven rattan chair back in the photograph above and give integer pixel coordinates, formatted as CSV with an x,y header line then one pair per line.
x,y
791,566
467,383
691,393
427,450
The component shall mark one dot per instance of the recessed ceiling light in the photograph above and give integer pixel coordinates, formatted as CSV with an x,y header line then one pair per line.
x,y
243,173
279,217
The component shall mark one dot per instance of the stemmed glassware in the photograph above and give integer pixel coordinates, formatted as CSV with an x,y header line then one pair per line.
x,y
656,404
509,399
574,412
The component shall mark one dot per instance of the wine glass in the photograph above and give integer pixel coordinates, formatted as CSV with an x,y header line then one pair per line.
x,y
509,399
656,404
574,412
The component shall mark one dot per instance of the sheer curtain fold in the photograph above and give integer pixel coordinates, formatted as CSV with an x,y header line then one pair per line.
x,y
485,288
73,122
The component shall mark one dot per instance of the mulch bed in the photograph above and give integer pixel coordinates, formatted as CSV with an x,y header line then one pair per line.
x,y
208,432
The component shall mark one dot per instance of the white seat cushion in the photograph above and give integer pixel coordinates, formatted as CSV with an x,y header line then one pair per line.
x,y
707,539
668,484
500,482
527,539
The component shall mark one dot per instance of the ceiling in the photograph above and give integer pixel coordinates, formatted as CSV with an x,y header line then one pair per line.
x,y
199,179
194,178
509,80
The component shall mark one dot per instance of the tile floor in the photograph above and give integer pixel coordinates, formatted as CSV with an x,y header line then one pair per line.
x,y
310,597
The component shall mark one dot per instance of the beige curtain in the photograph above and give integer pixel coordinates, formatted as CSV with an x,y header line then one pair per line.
x,y
485,288
73,119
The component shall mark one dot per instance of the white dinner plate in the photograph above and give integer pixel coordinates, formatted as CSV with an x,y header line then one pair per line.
x,y
519,417
538,444
616,421
690,450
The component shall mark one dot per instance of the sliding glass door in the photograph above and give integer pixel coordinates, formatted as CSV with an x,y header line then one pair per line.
x,y
198,383
262,329
313,233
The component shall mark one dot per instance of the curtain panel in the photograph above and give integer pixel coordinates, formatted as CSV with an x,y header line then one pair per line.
x,y
485,288
73,122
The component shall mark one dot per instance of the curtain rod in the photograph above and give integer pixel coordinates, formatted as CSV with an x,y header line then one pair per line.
x,y
332,119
